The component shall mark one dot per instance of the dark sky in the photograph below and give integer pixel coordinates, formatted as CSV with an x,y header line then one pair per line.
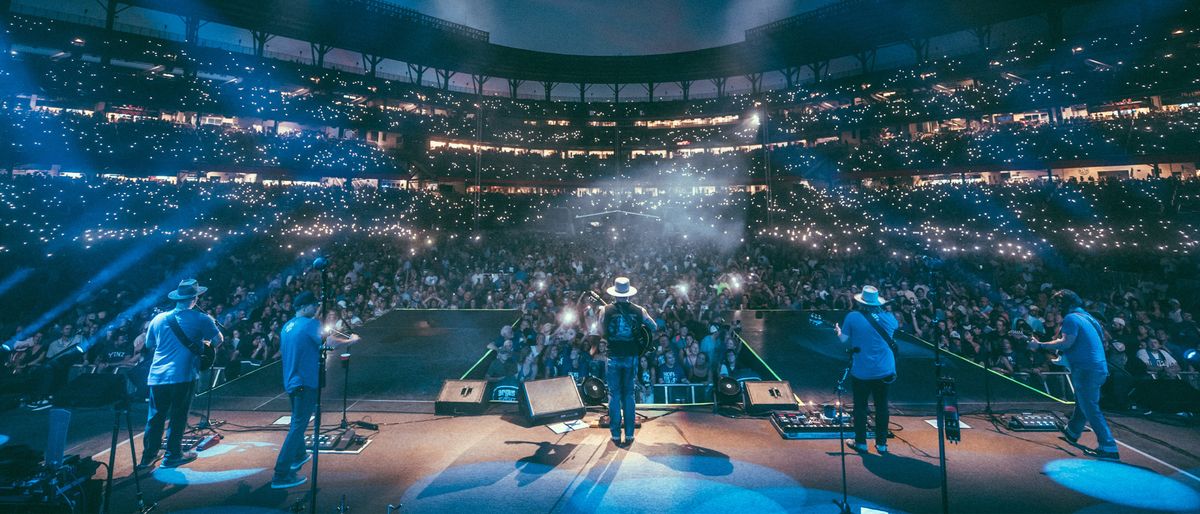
x,y
613,27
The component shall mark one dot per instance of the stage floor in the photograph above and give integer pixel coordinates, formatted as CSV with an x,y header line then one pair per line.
x,y
683,461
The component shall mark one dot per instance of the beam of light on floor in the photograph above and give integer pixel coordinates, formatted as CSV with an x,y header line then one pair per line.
x,y
255,451
1122,484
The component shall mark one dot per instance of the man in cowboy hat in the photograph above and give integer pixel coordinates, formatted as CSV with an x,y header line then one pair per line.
x,y
300,345
869,331
174,371
619,326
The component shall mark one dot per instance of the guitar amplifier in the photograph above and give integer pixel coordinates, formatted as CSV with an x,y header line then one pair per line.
x,y
462,397
763,397
549,400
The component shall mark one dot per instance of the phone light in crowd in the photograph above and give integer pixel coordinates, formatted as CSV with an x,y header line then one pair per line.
x,y
1192,356
682,288
568,317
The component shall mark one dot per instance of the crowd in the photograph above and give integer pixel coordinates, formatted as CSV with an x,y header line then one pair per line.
x,y
965,105
968,267
149,147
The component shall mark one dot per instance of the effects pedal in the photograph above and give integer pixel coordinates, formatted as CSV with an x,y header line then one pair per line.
x,y
1031,422
813,424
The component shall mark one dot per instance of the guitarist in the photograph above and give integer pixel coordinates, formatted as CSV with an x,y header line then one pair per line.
x,y
178,338
620,326
869,331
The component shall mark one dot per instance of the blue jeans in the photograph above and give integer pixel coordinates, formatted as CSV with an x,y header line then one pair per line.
x,y
621,372
1087,408
168,403
304,402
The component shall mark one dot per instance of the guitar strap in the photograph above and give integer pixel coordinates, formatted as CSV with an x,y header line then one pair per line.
x,y
173,322
887,338
882,333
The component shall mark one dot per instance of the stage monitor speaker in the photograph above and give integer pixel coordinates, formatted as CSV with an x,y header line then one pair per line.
x,y
1166,395
549,400
729,391
764,397
460,397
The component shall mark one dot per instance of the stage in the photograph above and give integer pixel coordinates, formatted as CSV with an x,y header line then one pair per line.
x,y
685,459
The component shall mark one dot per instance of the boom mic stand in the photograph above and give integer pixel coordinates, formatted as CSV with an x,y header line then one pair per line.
x,y
320,263
844,505
206,421
944,385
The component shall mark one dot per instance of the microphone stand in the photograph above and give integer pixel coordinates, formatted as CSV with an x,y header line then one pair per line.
x,y
844,505
345,358
941,423
206,422
316,441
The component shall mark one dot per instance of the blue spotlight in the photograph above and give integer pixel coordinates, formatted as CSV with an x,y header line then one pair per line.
x,y
1122,484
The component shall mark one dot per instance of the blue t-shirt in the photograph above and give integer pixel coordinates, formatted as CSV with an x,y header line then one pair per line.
x,y
300,344
173,362
671,374
1087,350
875,359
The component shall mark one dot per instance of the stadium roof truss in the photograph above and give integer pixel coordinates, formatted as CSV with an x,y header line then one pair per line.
x,y
380,29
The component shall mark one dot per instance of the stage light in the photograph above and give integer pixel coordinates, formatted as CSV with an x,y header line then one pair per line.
x,y
595,391
729,391
1192,356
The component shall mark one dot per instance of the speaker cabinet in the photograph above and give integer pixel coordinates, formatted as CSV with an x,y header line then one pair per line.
x,y
764,397
462,397
550,400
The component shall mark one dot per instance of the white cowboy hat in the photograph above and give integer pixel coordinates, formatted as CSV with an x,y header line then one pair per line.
x,y
621,288
869,296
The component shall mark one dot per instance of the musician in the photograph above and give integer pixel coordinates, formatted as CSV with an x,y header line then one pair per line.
x,y
869,331
300,344
619,326
174,371
1081,340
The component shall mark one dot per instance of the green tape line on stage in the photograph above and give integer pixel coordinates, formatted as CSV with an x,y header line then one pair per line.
x,y
489,352
476,365
759,357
